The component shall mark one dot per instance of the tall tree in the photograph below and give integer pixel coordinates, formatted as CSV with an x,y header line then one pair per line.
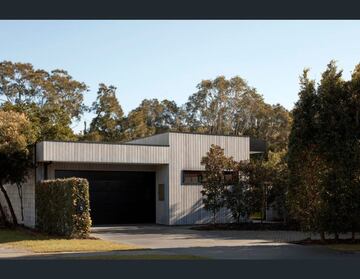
x,y
51,101
305,162
152,117
337,147
214,182
232,107
109,117
16,136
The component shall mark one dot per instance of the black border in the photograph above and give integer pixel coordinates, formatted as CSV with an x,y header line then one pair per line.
x,y
180,9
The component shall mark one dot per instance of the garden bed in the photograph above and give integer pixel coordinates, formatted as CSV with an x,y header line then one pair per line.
x,y
342,245
247,227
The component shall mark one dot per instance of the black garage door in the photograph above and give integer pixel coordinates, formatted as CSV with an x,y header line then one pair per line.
x,y
122,197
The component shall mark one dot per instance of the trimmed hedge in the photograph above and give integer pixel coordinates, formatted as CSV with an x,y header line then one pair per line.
x,y
63,207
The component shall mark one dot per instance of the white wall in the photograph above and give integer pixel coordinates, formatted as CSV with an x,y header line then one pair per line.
x,y
28,201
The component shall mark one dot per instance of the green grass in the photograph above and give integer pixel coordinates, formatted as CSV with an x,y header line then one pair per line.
x,y
142,257
40,243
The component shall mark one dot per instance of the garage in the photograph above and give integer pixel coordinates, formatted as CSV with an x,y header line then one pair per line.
x,y
118,197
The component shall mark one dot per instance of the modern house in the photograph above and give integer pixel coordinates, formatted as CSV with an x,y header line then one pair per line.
x,y
149,180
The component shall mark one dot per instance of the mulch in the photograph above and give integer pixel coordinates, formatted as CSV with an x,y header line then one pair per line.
x,y
309,241
247,227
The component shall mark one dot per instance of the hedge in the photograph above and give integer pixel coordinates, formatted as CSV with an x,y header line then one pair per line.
x,y
63,207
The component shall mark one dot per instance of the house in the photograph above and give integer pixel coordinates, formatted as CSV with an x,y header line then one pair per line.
x,y
155,179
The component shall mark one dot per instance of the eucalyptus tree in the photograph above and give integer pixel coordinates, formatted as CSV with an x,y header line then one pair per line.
x,y
51,100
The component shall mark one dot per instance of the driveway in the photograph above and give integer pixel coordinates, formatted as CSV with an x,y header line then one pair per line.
x,y
217,244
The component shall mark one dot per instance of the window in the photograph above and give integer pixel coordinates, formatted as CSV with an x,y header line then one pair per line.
x,y
161,190
192,177
196,177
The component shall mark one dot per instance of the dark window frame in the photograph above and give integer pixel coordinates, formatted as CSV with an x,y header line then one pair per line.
x,y
184,172
200,172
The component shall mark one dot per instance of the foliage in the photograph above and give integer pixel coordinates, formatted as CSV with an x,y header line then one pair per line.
x,y
232,107
16,135
153,117
214,183
238,196
107,125
63,207
51,101
324,154
278,178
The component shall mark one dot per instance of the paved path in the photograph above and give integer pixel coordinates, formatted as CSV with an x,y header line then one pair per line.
x,y
9,253
217,244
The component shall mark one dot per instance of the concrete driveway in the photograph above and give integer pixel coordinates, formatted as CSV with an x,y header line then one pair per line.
x,y
217,244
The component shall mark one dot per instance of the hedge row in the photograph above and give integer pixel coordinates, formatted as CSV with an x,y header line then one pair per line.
x,y
63,207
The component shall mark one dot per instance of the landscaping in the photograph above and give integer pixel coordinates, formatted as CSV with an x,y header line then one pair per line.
x,y
41,243
247,226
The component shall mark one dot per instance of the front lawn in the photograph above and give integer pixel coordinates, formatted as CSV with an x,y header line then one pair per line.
x,y
40,243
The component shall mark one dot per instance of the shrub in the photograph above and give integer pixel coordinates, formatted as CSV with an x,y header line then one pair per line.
x,y
63,207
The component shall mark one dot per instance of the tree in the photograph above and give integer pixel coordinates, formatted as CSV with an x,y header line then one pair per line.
x,y
339,146
305,162
109,119
51,101
238,195
153,117
324,154
16,135
214,183
277,168
232,107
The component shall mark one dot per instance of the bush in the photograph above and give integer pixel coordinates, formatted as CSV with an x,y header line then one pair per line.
x,y
63,207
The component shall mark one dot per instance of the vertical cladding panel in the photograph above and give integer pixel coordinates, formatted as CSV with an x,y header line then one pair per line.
x,y
104,153
186,151
162,207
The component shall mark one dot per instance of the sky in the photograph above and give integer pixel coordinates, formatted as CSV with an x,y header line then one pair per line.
x,y
167,59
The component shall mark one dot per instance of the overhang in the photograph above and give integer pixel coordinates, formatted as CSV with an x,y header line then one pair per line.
x,y
92,152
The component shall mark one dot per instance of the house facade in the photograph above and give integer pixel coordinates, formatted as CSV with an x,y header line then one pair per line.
x,y
156,179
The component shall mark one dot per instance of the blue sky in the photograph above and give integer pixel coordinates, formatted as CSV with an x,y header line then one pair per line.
x,y
167,59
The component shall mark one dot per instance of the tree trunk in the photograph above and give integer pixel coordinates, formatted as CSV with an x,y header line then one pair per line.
x,y
336,236
12,212
3,215
353,236
20,192
322,236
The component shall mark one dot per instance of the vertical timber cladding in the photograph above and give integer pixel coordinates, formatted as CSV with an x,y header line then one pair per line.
x,y
186,152
118,197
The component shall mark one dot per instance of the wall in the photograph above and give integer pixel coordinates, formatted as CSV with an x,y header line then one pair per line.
x,y
82,152
162,207
28,201
186,152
